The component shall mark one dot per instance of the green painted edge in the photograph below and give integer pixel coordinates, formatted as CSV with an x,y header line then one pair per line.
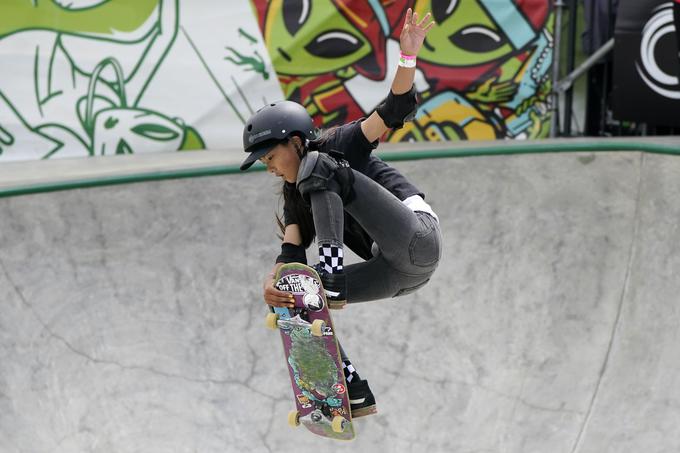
x,y
498,150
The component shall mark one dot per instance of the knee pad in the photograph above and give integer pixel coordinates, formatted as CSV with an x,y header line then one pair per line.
x,y
320,171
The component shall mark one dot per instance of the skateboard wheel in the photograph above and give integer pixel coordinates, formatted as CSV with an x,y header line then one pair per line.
x,y
271,321
294,419
318,327
338,424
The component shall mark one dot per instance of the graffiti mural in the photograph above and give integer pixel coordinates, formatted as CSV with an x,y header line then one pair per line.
x,y
101,77
104,77
483,72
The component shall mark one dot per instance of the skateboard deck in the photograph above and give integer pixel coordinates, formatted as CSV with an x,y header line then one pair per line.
x,y
312,355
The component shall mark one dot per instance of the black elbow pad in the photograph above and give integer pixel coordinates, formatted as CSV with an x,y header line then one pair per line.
x,y
397,109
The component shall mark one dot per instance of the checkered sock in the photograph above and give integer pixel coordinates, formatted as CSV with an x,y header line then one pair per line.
x,y
350,373
330,257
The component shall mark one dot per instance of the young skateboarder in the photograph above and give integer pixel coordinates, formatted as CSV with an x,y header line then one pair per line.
x,y
335,189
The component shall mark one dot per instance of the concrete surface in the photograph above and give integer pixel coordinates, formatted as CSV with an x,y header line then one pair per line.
x,y
131,317
61,170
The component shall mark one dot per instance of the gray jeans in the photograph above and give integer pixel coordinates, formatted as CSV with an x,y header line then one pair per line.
x,y
408,243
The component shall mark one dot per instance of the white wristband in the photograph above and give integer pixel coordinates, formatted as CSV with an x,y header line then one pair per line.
x,y
407,61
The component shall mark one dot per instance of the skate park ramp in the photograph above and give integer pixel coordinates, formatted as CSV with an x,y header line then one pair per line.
x,y
132,320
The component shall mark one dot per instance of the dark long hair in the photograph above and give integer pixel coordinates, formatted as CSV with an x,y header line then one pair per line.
x,y
292,197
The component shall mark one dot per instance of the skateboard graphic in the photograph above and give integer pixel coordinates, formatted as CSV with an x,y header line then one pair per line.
x,y
312,355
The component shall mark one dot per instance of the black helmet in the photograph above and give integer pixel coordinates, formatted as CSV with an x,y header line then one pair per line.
x,y
270,125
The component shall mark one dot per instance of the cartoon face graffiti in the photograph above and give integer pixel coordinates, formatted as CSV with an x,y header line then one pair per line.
x,y
456,38
128,131
311,38
123,129
498,28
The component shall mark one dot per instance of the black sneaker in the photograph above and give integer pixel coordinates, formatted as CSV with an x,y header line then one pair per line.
x,y
335,286
361,399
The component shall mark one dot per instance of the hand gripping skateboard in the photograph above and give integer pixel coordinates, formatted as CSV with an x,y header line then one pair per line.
x,y
312,354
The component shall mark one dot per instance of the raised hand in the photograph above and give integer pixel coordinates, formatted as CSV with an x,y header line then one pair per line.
x,y
414,32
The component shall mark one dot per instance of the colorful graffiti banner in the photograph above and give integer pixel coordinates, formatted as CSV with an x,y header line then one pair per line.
x,y
483,71
100,77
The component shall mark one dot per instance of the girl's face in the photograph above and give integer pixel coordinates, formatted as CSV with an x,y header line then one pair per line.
x,y
282,161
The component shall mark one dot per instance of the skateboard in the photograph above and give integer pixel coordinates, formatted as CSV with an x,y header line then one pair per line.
x,y
312,355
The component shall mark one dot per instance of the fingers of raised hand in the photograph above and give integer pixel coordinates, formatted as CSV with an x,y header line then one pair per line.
x,y
422,21
425,23
428,26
